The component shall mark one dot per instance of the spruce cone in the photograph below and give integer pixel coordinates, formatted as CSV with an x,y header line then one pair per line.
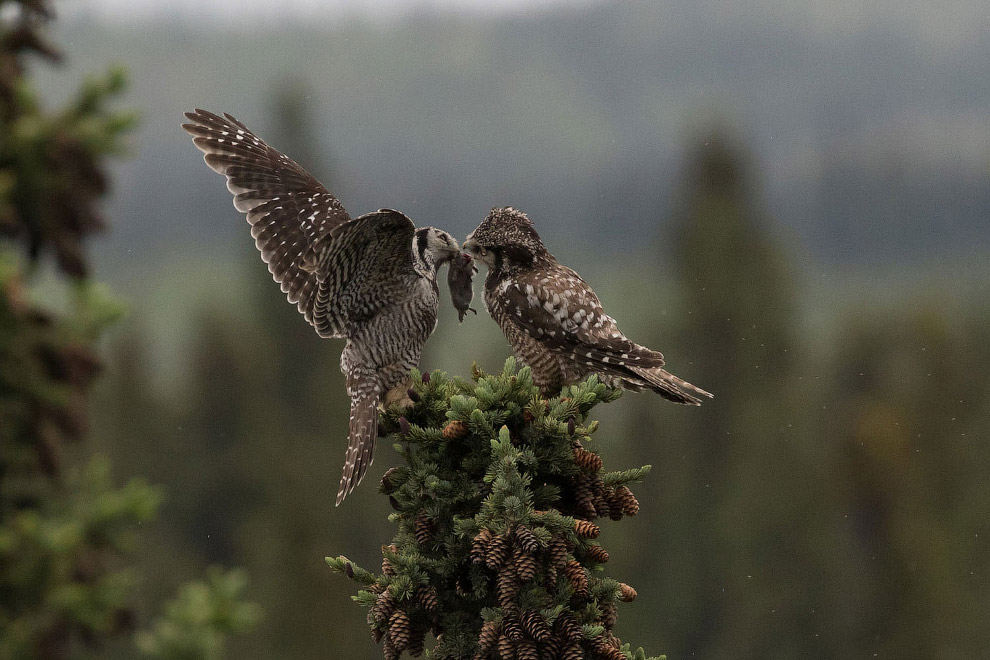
x,y
587,460
479,547
572,652
512,629
568,629
506,649
606,651
487,639
416,643
455,429
524,563
424,528
630,506
584,498
386,565
526,650
550,576
626,593
388,484
399,630
528,416
585,529
577,577
615,511
508,587
558,551
389,650
536,626
383,608
427,597
610,615
498,552
603,509
597,553
527,539
552,649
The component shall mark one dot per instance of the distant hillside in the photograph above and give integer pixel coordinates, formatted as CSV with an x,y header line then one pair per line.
x,y
872,138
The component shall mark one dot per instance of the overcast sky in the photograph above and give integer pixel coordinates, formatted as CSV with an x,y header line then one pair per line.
x,y
252,11
943,25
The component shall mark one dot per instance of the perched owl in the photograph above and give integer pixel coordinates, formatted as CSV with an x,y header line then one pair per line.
x,y
371,280
554,321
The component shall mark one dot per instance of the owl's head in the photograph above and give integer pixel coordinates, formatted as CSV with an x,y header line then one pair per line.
x,y
433,247
505,239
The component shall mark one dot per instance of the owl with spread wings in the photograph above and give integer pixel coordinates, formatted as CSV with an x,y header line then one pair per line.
x,y
371,280
554,321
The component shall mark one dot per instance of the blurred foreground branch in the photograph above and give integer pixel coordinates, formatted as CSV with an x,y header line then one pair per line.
x,y
64,529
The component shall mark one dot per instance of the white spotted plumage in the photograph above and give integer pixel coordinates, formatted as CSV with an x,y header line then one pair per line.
x,y
370,279
553,319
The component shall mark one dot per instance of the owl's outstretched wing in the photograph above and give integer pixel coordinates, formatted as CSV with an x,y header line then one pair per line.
x,y
288,209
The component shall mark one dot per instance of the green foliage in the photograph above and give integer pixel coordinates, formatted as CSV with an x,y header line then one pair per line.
x,y
64,531
494,552
197,621
55,582
51,173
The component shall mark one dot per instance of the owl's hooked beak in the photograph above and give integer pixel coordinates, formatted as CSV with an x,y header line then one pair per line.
x,y
477,252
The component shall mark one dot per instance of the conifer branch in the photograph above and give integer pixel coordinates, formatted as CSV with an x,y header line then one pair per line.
x,y
495,552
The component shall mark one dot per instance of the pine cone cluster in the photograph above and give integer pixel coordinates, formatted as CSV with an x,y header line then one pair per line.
x,y
392,623
591,497
504,537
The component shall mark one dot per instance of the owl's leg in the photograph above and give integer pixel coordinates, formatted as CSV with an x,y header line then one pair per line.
x,y
398,395
397,383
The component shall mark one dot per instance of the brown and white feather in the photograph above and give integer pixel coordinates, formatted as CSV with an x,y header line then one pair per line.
x,y
555,322
370,279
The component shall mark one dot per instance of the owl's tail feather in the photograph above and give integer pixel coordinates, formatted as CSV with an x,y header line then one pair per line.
x,y
362,433
670,386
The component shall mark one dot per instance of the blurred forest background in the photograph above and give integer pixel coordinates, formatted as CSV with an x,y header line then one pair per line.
x,y
790,199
